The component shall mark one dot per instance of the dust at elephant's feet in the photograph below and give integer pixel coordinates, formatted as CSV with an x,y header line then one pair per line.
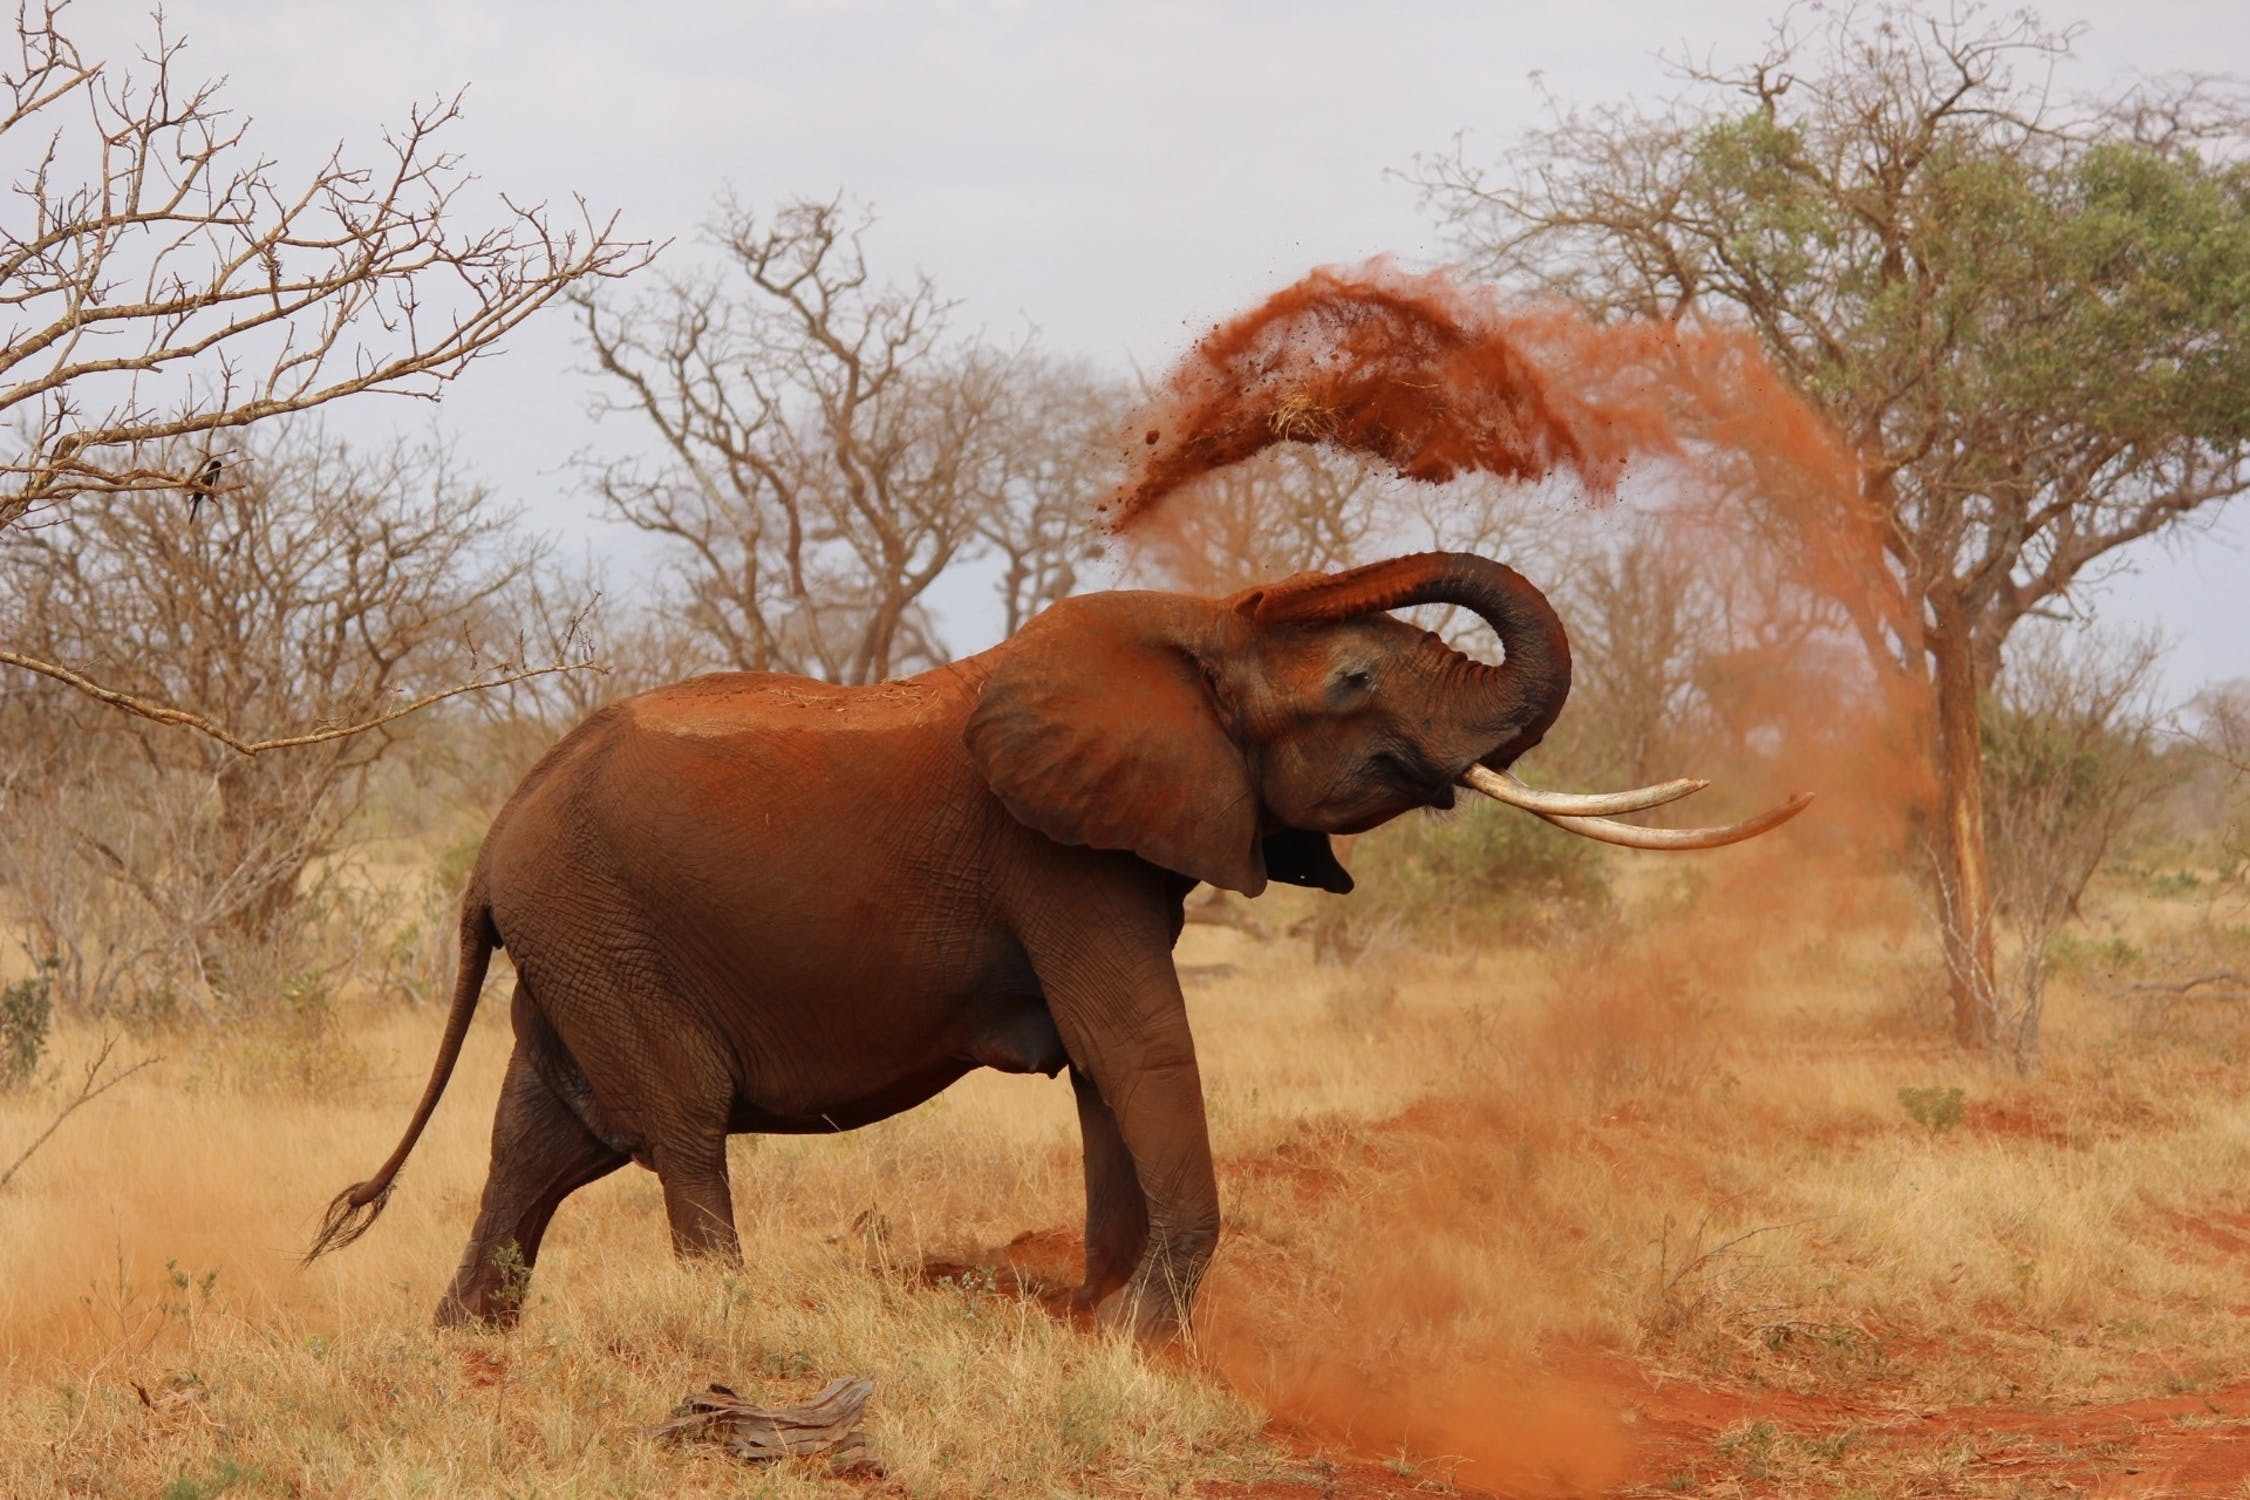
x,y
1042,1265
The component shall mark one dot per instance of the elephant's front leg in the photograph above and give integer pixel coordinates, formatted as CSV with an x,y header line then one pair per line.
x,y
1135,1046
1161,1117
1116,1209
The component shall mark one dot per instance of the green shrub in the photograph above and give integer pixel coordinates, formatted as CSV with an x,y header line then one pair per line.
x,y
1934,1109
2088,959
1481,866
2175,885
27,1012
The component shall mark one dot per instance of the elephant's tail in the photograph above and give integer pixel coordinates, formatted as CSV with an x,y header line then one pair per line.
x,y
354,1210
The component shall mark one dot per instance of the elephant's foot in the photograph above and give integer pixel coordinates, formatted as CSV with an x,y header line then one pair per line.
x,y
488,1290
453,1312
1082,1304
1152,1315
1156,1303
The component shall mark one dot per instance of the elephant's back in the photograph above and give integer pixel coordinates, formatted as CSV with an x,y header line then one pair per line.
x,y
721,775
735,705
749,788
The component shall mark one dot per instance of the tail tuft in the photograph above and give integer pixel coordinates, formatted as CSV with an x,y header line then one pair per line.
x,y
350,1214
354,1210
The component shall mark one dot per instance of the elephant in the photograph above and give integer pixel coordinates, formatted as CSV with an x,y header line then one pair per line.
x,y
751,902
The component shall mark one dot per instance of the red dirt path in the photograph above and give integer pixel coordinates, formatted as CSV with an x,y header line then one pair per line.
x,y
1678,1433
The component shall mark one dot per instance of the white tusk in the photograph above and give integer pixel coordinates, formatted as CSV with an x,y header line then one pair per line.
x,y
1502,787
1635,837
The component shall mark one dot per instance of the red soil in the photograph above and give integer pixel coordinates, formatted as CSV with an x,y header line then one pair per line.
x,y
2226,1233
1603,1423
1589,1421
2021,1122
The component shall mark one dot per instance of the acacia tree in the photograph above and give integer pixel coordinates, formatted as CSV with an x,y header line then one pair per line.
x,y
831,448
2031,319
166,288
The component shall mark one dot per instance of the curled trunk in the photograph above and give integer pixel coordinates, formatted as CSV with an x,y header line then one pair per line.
x,y
1516,701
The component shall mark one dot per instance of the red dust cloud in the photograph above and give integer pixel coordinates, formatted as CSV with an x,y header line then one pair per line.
x,y
1436,378
1811,676
1418,371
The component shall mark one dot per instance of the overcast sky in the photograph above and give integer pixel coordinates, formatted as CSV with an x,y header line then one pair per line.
x,y
1116,175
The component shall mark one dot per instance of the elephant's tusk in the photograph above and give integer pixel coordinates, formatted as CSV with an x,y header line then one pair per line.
x,y
1502,787
1632,836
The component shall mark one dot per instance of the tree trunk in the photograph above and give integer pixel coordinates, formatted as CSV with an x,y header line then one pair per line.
x,y
1964,867
265,869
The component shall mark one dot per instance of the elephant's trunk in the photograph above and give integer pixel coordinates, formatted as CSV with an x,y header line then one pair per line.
x,y
1516,701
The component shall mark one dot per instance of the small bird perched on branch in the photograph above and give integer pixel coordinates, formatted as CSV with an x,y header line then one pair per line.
x,y
205,483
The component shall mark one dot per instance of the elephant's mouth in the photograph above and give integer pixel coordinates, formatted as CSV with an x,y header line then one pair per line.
x,y
1405,773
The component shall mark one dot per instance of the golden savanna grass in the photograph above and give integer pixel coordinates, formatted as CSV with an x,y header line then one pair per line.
x,y
1466,1189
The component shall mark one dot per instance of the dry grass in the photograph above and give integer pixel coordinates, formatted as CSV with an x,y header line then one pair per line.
x,y
1464,1192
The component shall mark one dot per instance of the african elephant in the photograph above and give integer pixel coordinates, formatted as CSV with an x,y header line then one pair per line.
x,y
751,902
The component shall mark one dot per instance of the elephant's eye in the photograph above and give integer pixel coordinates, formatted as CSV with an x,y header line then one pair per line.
x,y
1358,679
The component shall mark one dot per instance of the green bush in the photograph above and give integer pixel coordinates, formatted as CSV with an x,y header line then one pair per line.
x,y
27,1012
1480,866
2092,959
1936,1110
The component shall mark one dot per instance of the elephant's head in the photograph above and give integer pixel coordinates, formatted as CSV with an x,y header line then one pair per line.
x,y
1226,738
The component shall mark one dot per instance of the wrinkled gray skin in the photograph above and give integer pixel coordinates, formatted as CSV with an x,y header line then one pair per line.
x,y
760,903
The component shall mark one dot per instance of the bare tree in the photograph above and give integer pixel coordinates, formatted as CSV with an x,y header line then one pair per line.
x,y
326,589
2069,758
1296,507
2221,738
167,288
1061,453
830,447
2225,730
1643,628
1291,508
2031,321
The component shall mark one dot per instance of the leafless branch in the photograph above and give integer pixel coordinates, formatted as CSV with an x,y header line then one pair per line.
x,y
91,1086
166,714
165,284
830,447
2236,983
243,672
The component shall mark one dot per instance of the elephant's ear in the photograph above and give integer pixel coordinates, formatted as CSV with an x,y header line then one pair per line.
x,y
1096,729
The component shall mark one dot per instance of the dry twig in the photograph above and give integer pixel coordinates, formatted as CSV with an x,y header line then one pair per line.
x,y
88,1091
2236,984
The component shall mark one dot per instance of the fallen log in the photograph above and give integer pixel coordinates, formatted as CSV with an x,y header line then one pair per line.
x,y
829,1423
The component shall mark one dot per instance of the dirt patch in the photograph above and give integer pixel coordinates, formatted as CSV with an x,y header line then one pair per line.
x,y
484,1367
1585,1420
2228,1234
2015,1121
1042,1264
1694,1437
1588,1421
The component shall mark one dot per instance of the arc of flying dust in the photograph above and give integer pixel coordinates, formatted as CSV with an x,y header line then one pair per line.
x,y
1425,374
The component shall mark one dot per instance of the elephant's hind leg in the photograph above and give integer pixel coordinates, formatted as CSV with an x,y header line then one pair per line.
x,y
698,1198
541,1154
